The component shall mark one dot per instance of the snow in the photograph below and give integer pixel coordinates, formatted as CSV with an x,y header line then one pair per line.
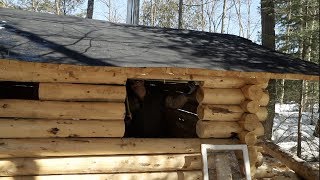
x,y
285,130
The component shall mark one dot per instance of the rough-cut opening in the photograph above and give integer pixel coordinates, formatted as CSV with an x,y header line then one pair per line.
x,y
19,90
164,109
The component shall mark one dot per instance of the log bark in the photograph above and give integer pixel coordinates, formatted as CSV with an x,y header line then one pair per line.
x,y
211,129
179,175
61,110
252,92
224,82
44,72
249,138
81,92
219,96
301,167
250,106
219,112
99,164
262,113
42,128
101,146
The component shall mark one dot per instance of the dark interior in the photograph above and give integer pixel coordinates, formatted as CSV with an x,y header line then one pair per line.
x,y
19,90
177,123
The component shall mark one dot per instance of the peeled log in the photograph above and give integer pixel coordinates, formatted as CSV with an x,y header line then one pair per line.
x,y
219,112
102,146
219,96
252,92
81,92
212,129
99,164
262,113
61,110
261,82
259,131
179,175
45,72
299,166
248,138
40,128
223,82
250,106
265,98
249,122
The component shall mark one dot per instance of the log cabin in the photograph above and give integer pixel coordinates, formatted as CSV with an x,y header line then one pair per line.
x,y
63,92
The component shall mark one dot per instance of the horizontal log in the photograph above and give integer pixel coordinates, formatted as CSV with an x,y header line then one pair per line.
x,y
299,166
261,82
249,138
100,164
45,72
224,82
61,110
259,131
212,129
179,175
41,128
250,106
22,71
102,146
219,112
249,122
252,92
81,92
262,113
265,98
219,96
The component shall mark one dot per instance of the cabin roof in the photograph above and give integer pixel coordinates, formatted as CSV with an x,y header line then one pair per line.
x,y
40,37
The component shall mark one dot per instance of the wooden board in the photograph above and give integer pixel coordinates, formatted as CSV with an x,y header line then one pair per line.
x,y
179,175
102,146
61,110
81,92
41,128
100,164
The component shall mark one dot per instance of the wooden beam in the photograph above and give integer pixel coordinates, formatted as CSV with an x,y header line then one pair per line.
x,y
299,166
100,164
42,128
213,129
220,96
102,146
219,112
178,175
249,138
264,101
252,92
61,110
224,82
262,113
13,70
81,92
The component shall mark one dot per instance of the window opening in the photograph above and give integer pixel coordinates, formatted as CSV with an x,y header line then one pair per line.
x,y
19,90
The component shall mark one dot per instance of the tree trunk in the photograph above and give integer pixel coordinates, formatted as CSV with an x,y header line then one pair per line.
x,y
180,14
268,40
57,6
223,15
90,9
301,104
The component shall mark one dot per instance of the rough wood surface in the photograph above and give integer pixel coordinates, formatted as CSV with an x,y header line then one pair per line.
x,y
179,175
224,82
250,106
61,110
264,101
249,122
249,138
262,113
212,129
102,146
100,164
220,96
252,92
81,92
261,82
301,167
219,112
42,128
13,70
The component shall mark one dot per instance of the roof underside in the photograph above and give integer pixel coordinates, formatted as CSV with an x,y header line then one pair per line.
x,y
49,38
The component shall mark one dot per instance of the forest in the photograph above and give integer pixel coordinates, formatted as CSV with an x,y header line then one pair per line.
x,y
287,26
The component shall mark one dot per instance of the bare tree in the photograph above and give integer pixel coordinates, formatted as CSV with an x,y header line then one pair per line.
x,y
90,9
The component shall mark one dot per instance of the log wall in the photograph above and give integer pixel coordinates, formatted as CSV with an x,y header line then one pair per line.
x,y
235,108
75,129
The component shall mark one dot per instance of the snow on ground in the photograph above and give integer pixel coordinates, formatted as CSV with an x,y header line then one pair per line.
x,y
285,130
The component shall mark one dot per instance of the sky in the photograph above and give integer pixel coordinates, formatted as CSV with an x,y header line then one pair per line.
x,y
101,13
